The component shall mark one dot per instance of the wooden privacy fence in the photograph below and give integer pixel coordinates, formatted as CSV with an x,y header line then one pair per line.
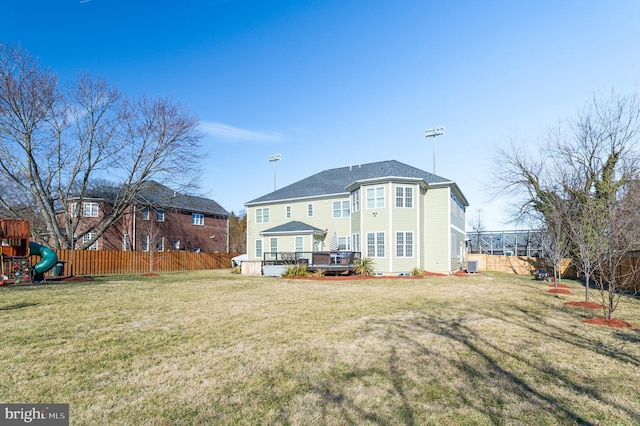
x,y
519,265
99,262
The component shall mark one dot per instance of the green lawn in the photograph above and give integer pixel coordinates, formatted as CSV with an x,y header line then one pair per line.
x,y
210,347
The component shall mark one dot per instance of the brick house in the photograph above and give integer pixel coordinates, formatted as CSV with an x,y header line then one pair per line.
x,y
160,219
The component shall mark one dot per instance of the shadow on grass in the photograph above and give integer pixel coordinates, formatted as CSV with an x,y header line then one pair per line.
x,y
17,306
477,377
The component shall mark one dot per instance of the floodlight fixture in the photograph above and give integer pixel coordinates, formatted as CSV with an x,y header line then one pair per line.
x,y
432,133
273,159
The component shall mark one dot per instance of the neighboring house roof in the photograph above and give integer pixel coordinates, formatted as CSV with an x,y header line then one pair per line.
x,y
294,227
336,181
156,194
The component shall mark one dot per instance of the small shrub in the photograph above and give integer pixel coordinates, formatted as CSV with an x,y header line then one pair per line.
x,y
296,271
417,272
318,273
236,270
363,266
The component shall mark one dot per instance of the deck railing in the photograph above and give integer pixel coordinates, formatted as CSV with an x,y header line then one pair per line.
x,y
311,258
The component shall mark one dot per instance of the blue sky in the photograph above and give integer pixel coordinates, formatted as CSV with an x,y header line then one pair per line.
x,y
334,83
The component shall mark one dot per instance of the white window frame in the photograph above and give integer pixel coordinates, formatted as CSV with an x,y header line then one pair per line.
x,y
89,209
375,197
160,243
144,215
404,197
273,247
355,200
87,237
355,238
175,244
344,243
159,215
126,242
258,247
404,244
197,219
341,209
310,210
287,212
376,244
262,215
144,242
298,244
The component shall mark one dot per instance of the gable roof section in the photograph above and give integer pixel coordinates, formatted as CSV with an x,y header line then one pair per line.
x,y
294,227
156,194
336,181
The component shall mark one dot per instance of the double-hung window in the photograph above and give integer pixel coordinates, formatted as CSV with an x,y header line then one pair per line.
x,y
341,209
404,196
375,198
88,237
160,215
375,244
90,209
404,244
197,219
262,215
355,201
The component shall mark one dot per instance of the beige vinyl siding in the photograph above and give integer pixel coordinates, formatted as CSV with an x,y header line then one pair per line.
x,y
404,220
457,243
437,235
377,219
322,218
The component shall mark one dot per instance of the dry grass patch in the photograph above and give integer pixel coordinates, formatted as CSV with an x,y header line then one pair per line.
x,y
213,347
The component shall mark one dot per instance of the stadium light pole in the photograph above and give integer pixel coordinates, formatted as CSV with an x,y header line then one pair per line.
x,y
273,159
432,133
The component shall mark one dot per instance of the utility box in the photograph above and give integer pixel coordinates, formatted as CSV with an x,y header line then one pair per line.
x,y
472,266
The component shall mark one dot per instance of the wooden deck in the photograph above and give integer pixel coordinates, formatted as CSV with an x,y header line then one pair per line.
x,y
332,263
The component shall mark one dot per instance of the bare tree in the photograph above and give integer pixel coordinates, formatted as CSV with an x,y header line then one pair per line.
x,y
56,145
476,223
588,164
556,237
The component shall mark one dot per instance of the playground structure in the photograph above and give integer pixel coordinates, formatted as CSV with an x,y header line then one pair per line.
x,y
16,252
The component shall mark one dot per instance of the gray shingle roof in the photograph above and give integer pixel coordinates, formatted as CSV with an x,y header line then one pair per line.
x,y
335,181
293,226
156,194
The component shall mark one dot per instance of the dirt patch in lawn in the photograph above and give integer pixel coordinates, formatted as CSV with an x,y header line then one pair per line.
x,y
610,322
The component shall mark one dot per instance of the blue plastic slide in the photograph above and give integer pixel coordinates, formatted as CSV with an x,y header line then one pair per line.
x,y
49,257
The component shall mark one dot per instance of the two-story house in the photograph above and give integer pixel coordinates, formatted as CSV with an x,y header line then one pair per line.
x,y
160,219
400,216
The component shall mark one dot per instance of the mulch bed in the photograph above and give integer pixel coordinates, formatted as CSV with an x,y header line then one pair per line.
x,y
360,277
559,291
588,305
610,322
560,285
